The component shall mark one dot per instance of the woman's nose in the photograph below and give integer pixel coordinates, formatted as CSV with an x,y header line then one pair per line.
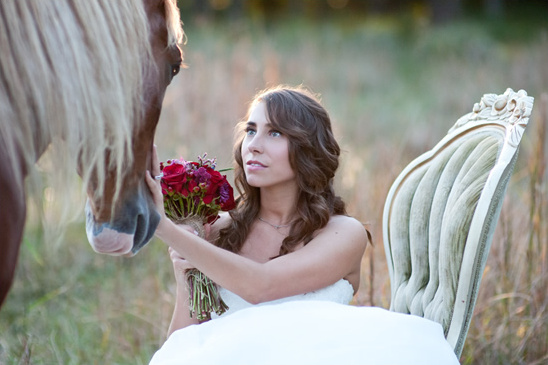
x,y
255,145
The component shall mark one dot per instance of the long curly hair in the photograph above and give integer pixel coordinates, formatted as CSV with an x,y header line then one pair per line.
x,y
314,156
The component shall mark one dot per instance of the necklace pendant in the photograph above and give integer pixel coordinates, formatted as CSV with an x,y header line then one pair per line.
x,y
276,226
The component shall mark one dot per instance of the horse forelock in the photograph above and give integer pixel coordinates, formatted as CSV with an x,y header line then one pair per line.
x,y
174,26
72,74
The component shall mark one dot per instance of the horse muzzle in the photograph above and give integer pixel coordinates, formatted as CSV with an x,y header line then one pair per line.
x,y
124,235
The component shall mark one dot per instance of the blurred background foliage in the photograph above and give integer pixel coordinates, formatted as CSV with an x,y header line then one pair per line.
x,y
395,75
437,11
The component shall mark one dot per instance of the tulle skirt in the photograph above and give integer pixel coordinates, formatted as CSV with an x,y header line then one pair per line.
x,y
309,332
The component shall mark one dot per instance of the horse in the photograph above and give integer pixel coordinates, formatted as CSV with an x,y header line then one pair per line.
x,y
84,80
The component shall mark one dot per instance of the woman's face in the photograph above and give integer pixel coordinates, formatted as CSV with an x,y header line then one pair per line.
x,y
265,152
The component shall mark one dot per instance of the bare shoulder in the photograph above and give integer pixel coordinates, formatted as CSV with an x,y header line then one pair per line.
x,y
347,223
347,228
351,238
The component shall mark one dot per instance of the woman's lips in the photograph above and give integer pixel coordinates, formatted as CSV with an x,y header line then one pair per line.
x,y
255,165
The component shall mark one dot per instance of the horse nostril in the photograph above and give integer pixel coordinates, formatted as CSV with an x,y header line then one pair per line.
x,y
144,229
140,230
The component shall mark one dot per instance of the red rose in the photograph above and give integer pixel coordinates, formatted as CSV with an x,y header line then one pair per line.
x,y
172,167
215,182
226,196
174,176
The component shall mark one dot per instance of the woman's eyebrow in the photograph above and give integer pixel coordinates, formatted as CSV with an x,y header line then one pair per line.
x,y
251,123
254,124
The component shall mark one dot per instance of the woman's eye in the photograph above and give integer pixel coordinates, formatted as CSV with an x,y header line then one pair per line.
x,y
275,134
250,131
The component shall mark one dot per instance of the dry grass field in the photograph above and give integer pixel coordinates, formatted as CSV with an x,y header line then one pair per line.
x,y
393,90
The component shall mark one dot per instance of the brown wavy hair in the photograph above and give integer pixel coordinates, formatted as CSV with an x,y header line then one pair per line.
x,y
313,155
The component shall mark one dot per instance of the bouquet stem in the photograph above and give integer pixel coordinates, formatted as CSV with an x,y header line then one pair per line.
x,y
204,297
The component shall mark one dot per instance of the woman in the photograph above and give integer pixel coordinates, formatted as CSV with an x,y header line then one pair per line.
x,y
288,240
289,234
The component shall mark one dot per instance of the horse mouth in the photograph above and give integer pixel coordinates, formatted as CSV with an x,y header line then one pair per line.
x,y
122,237
109,241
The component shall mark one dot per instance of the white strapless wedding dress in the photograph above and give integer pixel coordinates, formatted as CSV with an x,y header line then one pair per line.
x,y
314,328
340,292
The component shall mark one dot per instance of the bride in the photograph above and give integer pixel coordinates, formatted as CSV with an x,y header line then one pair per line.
x,y
287,258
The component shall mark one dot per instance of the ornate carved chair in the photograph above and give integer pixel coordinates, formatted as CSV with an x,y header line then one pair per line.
x,y
441,212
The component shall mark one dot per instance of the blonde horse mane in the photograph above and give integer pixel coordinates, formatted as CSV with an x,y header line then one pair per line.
x,y
68,78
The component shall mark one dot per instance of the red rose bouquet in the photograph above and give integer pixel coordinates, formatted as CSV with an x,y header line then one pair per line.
x,y
194,193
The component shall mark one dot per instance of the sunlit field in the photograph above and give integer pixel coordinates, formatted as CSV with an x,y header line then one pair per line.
x,y
393,90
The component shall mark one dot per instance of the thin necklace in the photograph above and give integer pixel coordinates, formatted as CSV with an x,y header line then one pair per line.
x,y
277,226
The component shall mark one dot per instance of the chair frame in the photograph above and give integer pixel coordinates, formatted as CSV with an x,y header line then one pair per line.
x,y
506,115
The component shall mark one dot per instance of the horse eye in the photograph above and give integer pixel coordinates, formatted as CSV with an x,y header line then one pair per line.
x,y
175,69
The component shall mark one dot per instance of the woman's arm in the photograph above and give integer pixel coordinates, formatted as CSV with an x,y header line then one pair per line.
x,y
334,253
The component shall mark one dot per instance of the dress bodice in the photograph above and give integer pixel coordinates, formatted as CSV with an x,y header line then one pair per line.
x,y
339,292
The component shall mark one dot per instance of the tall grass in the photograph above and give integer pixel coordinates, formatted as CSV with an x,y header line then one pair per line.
x,y
393,91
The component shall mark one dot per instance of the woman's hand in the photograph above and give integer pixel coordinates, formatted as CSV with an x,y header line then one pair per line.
x,y
155,186
180,266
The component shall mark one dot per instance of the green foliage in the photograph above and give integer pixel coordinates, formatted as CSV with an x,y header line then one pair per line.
x,y
73,306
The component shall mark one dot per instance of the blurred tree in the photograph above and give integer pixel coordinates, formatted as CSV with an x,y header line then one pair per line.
x,y
494,8
439,11
445,10
237,8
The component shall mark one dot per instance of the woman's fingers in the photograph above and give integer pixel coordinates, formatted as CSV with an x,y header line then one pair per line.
x,y
155,168
153,181
207,230
178,261
153,185
155,190
173,254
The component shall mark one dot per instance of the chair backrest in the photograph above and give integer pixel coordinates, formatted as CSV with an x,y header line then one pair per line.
x,y
440,214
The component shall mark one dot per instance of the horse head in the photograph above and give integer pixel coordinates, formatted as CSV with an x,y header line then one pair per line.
x,y
121,219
